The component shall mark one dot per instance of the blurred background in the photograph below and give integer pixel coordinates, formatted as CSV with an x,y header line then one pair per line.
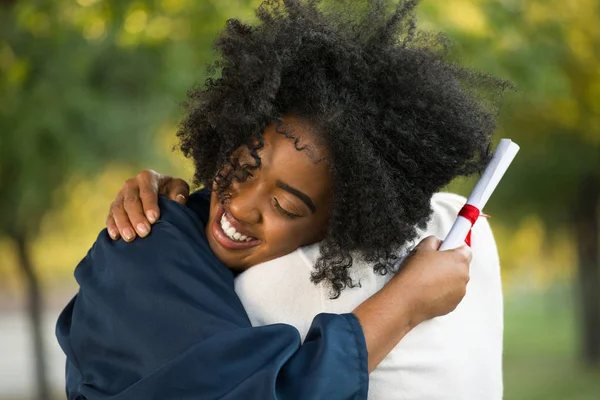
x,y
90,93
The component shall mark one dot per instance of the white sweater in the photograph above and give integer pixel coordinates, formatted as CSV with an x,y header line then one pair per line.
x,y
455,357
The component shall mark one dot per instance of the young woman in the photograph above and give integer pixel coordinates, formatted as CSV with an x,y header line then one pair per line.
x,y
326,124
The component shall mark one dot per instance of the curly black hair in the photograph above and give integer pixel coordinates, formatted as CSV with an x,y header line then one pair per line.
x,y
399,121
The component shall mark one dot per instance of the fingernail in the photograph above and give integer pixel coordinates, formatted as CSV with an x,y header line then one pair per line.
x,y
112,233
128,234
151,215
142,229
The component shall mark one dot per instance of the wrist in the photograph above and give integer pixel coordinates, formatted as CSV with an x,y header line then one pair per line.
x,y
385,319
407,300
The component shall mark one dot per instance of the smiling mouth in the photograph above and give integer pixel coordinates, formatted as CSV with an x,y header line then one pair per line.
x,y
227,235
231,232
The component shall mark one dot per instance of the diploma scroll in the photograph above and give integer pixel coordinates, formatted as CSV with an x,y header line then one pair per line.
x,y
501,160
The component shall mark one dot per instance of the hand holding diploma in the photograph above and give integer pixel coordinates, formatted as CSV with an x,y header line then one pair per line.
x,y
503,157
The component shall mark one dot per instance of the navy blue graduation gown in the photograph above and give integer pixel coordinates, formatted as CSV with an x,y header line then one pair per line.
x,y
158,318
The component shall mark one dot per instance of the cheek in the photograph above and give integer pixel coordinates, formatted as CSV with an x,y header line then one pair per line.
x,y
282,235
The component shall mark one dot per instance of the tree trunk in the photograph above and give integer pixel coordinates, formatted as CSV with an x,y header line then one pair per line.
x,y
586,223
34,298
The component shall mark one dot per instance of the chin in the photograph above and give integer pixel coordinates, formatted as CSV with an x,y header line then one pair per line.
x,y
231,262
237,267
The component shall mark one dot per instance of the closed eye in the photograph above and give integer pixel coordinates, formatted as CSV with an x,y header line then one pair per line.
x,y
283,211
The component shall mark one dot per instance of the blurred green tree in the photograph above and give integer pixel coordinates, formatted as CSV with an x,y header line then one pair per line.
x,y
551,50
82,84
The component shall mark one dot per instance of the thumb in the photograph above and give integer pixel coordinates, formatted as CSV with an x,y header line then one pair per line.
x,y
179,191
463,252
430,243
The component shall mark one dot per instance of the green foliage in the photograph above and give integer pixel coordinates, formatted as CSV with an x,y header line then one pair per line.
x,y
550,49
86,83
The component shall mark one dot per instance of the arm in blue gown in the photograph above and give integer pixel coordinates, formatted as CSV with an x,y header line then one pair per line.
x,y
158,318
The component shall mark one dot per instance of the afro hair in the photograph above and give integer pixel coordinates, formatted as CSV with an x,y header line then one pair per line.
x,y
399,121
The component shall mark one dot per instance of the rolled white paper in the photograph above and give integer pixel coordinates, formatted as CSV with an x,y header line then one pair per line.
x,y
501,160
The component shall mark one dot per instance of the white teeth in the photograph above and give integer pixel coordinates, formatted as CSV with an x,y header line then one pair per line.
x,y
231,232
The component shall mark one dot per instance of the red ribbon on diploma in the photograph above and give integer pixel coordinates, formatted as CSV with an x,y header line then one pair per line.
x,y
471,213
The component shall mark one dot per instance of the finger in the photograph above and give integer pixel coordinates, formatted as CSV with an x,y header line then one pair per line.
x,y
122,220
135,212
111,227
179,190
148,181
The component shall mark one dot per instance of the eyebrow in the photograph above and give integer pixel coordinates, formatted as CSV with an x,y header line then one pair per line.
x,y
298,194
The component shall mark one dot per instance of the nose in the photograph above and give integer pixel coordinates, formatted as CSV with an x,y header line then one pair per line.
x,y
244,205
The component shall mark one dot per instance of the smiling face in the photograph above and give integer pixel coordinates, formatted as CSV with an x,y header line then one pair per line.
x,y
284,204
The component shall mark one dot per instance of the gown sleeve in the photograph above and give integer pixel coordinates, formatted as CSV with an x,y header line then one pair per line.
x,y
158,318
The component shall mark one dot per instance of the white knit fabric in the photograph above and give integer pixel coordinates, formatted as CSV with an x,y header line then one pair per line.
x,y
455,357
